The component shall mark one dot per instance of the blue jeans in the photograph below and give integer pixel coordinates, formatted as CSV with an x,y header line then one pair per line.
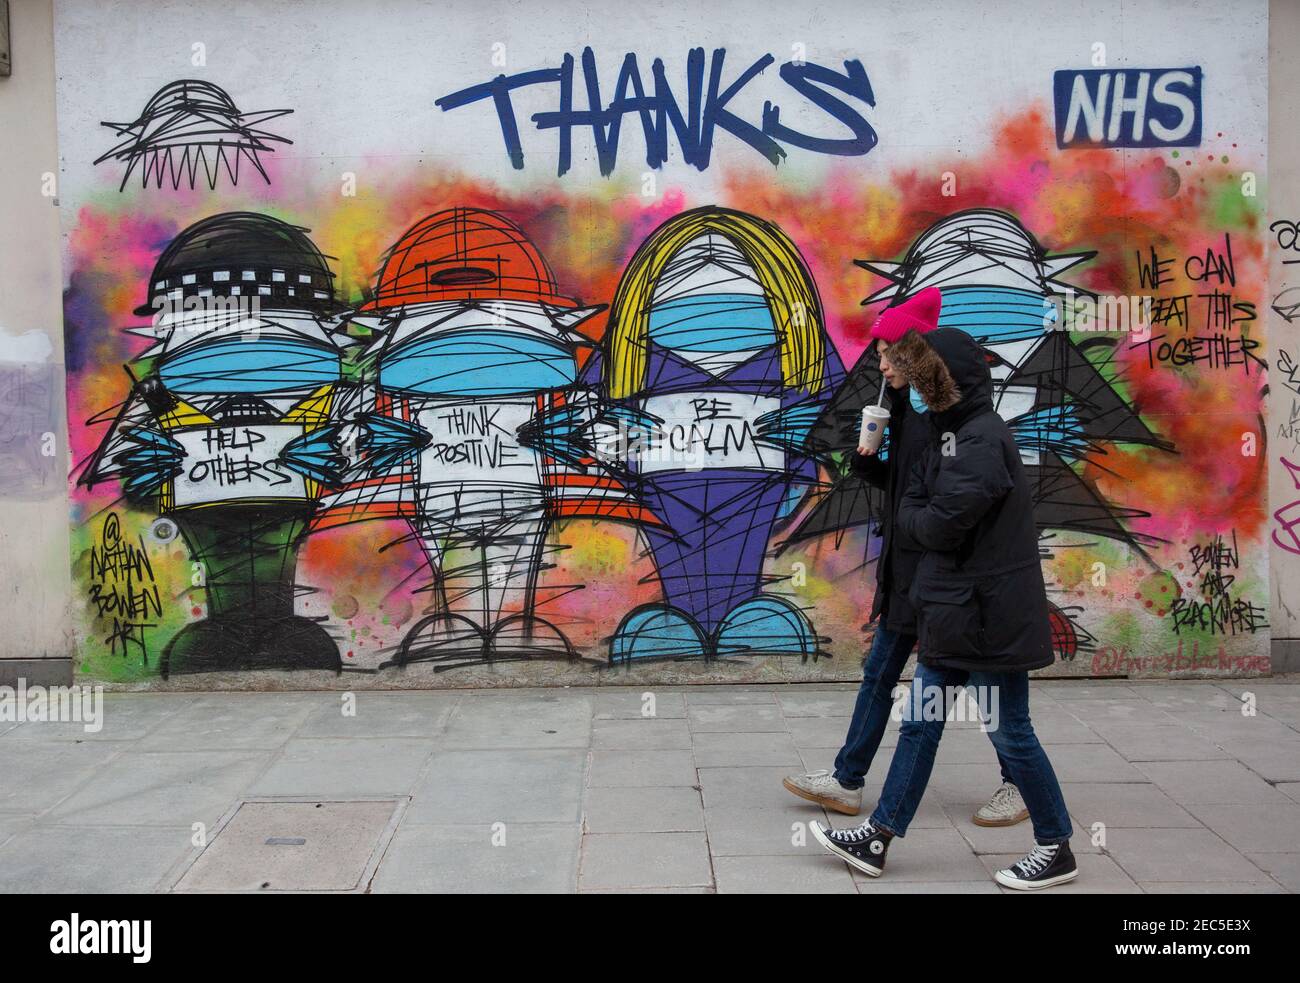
x,y
880,672
1012,735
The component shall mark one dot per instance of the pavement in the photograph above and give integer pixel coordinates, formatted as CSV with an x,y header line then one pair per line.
x,y
1174,786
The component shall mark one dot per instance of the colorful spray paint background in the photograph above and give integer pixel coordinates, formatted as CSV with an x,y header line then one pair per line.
x,y
1198,601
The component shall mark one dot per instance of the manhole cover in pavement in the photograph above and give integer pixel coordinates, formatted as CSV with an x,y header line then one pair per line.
x,y
293,846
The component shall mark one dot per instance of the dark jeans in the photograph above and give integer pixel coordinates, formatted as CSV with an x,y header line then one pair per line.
x,y
1012,735
880,672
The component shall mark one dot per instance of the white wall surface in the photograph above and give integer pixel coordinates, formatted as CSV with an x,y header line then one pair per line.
x,y
35,580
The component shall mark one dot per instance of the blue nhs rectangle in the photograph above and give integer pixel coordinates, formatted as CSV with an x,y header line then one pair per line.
x,y
1128,107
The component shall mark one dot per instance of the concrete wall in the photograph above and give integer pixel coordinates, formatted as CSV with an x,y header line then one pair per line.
x,y
371,156
1283,315
35,580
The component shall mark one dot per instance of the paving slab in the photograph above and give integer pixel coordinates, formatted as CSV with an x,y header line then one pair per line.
x,y
1283,868
1159,742
524,858
741,831
512,786
335,767
615,768
641,734
1274,761
744,718
1209,782
1091,763
751,787
1059,726
1178,855
1169,694
818,703
890,885
1225,727
633,860
724,749
1254,828
1067,690
643,810
225,721
125,717
1124,804
91,859
703,696
1222,888
798,874
11,824
523,719
825,732
156,788
40,774
380,715
620,703
1285,713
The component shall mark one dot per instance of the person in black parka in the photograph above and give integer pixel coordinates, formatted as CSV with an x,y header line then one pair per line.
x,y
981,610
909,434
979,584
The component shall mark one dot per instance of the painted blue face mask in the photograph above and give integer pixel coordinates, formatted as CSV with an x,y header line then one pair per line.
x,y
265,364
479,363
713,323
997,314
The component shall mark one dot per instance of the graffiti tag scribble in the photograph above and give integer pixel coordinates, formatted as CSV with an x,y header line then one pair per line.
x,y
123,588
190,124
1288,309
1216,610
1288,516
1288,237
1284,364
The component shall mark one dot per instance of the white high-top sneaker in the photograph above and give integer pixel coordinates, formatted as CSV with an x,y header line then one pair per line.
x,y
824,788
1005,808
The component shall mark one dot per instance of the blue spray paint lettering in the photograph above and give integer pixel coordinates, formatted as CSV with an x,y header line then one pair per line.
x,y
693,121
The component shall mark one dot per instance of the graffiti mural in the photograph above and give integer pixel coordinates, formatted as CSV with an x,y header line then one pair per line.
x,y
529,381
467,409
717,364
218,433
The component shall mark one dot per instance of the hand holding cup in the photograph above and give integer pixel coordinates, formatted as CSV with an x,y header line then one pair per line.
x,y
872,431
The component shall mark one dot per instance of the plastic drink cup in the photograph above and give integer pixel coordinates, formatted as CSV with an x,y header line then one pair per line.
x,y
874,420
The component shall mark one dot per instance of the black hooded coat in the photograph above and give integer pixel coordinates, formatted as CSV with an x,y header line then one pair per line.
x,y
908,434
978,589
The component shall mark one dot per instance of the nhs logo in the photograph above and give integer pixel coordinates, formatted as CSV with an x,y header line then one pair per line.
x,y
1128,107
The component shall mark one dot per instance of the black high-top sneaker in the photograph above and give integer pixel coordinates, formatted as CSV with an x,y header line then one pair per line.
x,y
863,847
1046,865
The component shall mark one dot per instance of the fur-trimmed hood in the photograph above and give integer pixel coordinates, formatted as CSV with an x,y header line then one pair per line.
x,y
924,371
946,367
